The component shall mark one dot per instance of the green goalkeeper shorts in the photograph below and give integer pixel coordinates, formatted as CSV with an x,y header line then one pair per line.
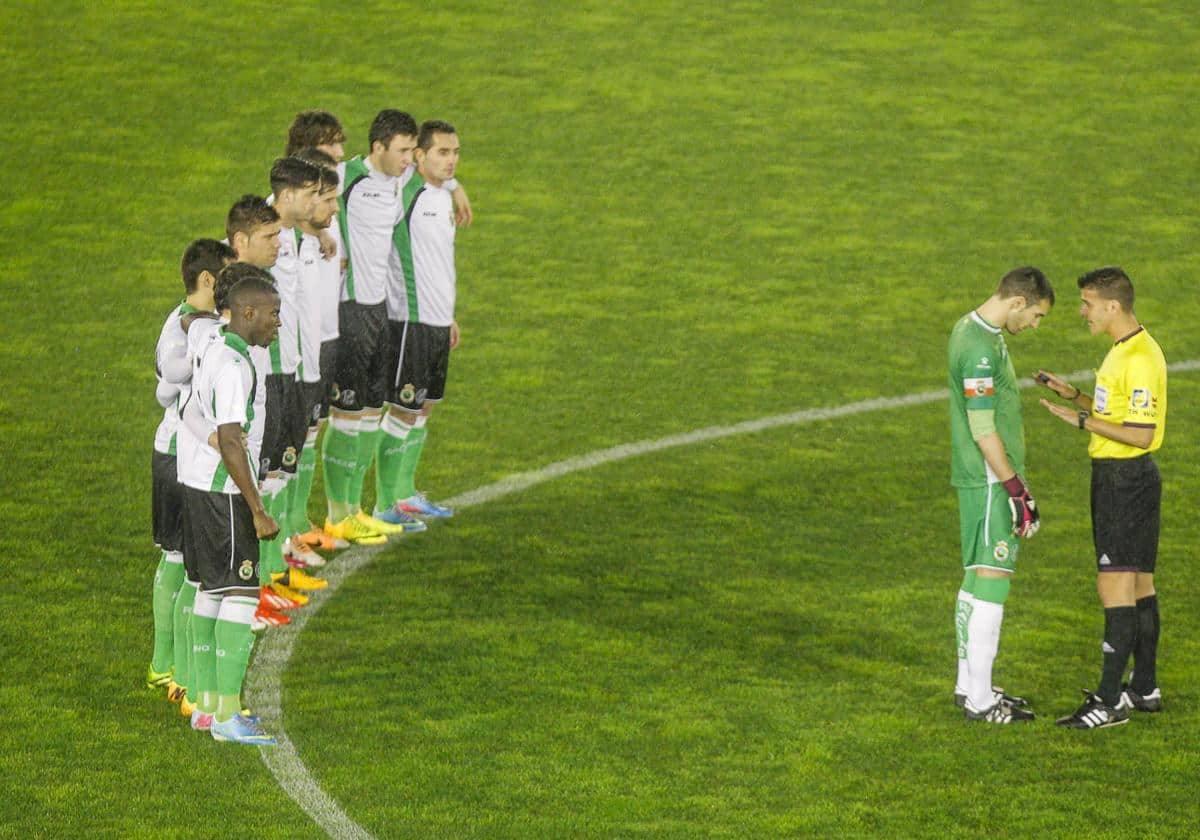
x,y
985,522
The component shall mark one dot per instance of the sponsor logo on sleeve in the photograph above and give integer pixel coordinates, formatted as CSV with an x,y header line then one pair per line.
x,y
1140,398
981,386
1100,399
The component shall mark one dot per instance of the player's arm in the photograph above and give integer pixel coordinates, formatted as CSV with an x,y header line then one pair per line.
x,y
1026,519
165,393
172,360
233,454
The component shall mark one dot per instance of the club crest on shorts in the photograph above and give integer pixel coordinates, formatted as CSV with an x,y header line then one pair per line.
x,y
347,396
408,393
1000,552
246,570
289,457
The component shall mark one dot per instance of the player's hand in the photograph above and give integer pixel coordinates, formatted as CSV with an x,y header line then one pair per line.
x,y
462,207
1025,516
1056,384
328,244
455,334
265,526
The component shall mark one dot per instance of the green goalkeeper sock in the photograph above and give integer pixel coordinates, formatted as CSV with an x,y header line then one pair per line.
x,y
167,580
183,635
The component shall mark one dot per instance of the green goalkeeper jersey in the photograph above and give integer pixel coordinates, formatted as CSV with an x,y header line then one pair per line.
x,y
982,378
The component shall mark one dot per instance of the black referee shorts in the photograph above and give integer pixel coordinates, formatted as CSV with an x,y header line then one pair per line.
x,y
363,375
420,361
166,502
220,540
1126,499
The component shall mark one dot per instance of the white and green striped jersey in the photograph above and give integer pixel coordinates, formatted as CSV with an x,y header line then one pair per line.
x,y
369,210
425,290
285,350
223,388
203,334
171,365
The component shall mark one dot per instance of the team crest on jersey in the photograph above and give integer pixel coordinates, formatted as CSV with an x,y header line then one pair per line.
x,y
1140,398
246,570
1000,552
408,393
289,457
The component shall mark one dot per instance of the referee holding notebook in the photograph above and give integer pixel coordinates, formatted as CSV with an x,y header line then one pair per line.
x,y
1126,419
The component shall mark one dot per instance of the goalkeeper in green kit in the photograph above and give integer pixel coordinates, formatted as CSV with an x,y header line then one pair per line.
x,y
996,509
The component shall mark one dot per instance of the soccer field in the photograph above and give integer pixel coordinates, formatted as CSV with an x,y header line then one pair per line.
x,y
686,218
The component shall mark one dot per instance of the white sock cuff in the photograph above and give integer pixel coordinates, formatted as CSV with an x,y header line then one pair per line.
x,y
173,557
310,437
419,423
370,422
207,605
238,609
345,425
272,485
394,426
964,595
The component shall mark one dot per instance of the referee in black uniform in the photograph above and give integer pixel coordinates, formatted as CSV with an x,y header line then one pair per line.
x,y
1126,417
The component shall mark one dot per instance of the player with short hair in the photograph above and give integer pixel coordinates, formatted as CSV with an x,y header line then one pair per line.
x,y
421,322
996,509
174,587
224,517
1126,420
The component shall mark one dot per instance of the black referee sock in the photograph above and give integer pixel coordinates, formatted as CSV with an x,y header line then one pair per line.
x,y
1120,629
1145,649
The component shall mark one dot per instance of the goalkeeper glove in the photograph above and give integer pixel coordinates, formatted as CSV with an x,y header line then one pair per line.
x,y
1025,517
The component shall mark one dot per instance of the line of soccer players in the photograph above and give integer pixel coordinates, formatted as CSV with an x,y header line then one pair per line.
x,y
293,326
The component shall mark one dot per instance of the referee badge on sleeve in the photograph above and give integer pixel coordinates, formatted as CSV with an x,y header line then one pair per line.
x,y
246,570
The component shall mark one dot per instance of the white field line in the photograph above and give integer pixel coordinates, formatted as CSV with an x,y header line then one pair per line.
x,y
274,650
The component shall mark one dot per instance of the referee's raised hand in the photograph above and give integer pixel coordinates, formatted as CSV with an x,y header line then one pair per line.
x,y
1056,384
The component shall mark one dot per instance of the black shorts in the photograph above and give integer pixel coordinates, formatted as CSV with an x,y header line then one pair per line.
x,y
1126,498
166,502
329,372
220,541
421,360
363,375
285,423
311,397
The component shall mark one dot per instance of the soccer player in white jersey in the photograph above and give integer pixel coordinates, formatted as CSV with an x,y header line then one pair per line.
x,y
224,517
421,321
370,210
319,275
296,187
253,227
174,585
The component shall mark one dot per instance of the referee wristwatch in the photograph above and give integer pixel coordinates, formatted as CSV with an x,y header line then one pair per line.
x,y
1083,416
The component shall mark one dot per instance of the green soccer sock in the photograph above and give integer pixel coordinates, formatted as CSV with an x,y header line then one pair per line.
x,y
204,646
270,552
167,580
183,632
339,457
407,485
234,639
389,462
305,470
368,442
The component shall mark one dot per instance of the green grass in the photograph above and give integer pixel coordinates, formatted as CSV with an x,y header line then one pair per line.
x,y
686,216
